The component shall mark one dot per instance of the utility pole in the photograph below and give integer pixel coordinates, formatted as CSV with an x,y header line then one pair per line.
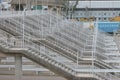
x,y
19,4
28,4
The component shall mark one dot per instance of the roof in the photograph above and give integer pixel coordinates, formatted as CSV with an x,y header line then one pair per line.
x,y
99,4
96,0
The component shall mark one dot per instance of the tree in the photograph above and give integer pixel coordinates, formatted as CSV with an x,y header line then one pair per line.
x,y
73,7
65,4
69,5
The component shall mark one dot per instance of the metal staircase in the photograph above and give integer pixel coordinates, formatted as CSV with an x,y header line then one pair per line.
x,y
40,55
27,31
38,40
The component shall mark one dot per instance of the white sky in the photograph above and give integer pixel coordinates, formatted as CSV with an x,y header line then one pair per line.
x,y
6,4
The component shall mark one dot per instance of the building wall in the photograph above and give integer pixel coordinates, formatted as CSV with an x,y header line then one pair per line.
x,y
38,2
99,15
30,3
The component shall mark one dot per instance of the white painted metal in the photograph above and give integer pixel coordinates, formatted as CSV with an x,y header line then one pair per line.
x,y
75,43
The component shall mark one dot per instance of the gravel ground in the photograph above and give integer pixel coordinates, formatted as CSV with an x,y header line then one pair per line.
x,y
11,77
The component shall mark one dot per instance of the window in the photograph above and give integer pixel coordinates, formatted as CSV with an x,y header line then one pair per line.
x,y
81,14
104,13
95,19
113,13
109,13
104,18
99,13
90,13
95,14
119,14
99,18
76,13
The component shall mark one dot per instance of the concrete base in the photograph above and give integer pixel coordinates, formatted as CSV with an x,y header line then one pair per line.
x,y
18,67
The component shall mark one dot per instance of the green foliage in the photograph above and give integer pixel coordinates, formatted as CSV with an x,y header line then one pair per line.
x,y
67,7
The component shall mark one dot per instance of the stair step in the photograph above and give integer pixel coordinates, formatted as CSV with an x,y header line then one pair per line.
x,y
36,54
46,59
4,46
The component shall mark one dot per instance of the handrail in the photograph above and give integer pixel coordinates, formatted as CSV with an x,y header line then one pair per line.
x,y
69,29
18,43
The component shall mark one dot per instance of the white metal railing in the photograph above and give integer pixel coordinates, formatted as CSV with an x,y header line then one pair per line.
x,y
74,28
36,49
21,13
70,34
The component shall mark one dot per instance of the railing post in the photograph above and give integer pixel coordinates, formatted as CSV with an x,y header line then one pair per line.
x,y
94,44
77,58
23,28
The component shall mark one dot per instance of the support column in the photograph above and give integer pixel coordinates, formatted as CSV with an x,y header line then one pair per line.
x,y
18,67
28,4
